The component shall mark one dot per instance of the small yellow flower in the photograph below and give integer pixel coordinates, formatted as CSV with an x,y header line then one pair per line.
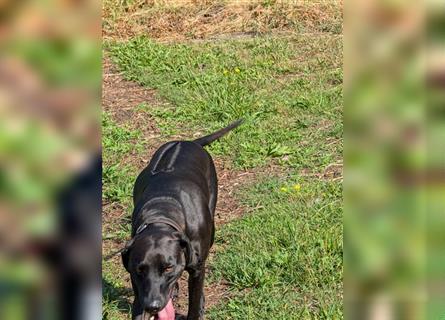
x,y
297,187
225,71
283,189
237,70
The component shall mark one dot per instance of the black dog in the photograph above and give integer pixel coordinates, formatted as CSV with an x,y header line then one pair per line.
x,y
172,226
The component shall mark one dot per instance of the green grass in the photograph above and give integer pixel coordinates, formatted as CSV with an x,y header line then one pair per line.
x,y
283,260
118,142
284,97
115,303
291,247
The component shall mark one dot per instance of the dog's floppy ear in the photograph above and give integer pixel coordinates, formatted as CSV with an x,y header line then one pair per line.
x,y
191,257
125,253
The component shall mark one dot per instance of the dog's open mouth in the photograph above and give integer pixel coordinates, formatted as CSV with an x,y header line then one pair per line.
x,y
168,313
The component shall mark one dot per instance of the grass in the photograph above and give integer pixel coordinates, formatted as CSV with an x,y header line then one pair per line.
x,y
115,303
191,19
285,99
118,142
283,259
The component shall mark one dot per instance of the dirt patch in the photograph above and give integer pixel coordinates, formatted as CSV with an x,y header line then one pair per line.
x,y
229,181
334,171
120,100
214,294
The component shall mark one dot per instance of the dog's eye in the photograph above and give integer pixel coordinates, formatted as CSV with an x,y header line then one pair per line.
x,y
141,269
168,269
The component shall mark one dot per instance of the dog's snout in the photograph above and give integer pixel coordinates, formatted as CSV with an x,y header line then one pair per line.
x,y
153,306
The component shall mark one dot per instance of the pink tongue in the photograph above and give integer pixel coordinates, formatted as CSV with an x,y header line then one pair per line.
x,y
168,313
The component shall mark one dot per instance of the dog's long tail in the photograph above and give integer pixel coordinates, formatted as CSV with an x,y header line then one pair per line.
x,y
218,134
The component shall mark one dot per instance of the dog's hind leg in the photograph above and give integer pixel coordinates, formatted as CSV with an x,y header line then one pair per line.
x,y
213,188
196,295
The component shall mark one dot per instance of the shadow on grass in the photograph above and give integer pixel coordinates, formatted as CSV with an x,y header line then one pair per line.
x,y
117,296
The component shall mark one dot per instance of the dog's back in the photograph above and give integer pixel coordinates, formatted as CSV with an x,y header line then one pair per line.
x,y
182,160
172,165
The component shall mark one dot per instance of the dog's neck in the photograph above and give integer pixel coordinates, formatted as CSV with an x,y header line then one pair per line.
x,y
158,223
155,228
166,211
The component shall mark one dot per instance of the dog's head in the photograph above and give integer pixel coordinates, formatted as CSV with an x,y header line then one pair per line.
x,y
155,260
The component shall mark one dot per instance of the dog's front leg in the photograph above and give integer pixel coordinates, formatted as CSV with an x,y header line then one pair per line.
x,y
196,295
136,310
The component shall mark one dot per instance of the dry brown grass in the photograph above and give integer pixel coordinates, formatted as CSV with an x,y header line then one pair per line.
x,y
193,19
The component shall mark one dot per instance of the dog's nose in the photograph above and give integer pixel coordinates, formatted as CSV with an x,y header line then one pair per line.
x,y
153,306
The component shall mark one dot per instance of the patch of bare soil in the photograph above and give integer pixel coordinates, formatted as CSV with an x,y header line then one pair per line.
x,y
120,100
